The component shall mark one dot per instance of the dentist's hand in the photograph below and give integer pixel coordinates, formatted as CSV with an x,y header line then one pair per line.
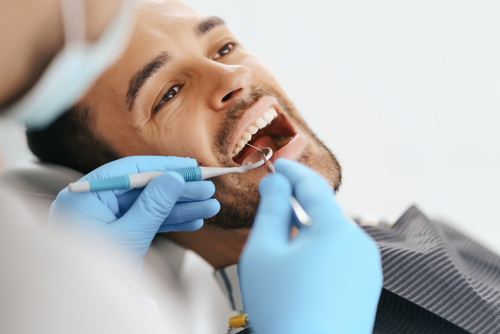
x,y
326,280
130,219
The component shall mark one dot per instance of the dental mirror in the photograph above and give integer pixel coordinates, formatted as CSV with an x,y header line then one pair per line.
x,y
253,160
256,156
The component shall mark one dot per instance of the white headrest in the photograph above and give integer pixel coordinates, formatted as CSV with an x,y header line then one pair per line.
x,y
35,185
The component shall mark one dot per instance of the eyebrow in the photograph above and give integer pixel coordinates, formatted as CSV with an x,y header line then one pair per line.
x,y
140,78
208,24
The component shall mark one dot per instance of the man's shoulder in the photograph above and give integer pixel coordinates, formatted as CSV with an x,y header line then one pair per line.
x,y
440,269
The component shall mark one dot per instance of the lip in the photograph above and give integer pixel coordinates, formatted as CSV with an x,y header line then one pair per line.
x,y
290,150
293,148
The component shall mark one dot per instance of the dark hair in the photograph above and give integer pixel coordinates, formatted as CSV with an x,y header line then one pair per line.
x,y
71,142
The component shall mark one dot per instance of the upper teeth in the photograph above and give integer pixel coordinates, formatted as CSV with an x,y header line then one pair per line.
x,y
261,122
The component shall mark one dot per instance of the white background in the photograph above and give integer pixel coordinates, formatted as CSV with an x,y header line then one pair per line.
x,y
406,94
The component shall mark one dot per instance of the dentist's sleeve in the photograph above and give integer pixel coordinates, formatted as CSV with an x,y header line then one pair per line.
x,y
327,279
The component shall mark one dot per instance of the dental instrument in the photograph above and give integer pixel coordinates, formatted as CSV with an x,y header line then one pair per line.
x,y
301,214
189,174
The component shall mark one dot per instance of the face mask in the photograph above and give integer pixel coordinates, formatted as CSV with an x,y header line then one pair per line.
x,y
74,69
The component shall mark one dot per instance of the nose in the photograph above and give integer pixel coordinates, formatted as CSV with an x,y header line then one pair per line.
x,y
228,82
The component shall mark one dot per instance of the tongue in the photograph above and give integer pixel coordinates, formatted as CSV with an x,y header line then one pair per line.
x,y
265,141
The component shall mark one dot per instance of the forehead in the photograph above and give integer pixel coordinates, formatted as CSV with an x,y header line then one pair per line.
x,y
162,25
165,18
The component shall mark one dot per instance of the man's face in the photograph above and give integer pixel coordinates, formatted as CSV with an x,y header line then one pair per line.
x,y
186,87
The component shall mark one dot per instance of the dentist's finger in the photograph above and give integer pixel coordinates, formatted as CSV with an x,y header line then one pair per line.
x,y
193,191
188,211
311,190
154,204
271,227
197,191
182,227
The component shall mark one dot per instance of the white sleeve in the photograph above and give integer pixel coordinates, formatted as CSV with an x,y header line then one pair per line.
x,y
49,286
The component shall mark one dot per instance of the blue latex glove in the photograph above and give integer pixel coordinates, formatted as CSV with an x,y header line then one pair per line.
x,y
167,203
326,280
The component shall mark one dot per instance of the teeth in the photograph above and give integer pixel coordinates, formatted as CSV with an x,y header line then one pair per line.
x,y
236,150
252,129
267,116
273,112
241,143
246,136
261,122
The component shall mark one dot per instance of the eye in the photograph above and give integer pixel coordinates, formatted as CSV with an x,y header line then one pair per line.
x,y
169,95
224,50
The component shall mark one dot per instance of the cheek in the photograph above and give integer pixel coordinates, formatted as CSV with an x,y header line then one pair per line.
x,y
189,136
261,75
116,132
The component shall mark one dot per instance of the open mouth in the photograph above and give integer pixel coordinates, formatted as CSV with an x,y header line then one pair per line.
x,y
269,129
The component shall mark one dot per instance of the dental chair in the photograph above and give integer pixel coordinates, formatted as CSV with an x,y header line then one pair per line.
x,y
35,185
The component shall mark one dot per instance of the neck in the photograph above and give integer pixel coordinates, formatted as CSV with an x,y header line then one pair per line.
x,y
219,247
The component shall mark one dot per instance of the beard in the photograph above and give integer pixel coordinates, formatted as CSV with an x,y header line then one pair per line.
x,y
238,194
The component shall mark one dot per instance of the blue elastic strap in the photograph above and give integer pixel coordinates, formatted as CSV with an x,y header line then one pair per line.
x,y
189,174
118,182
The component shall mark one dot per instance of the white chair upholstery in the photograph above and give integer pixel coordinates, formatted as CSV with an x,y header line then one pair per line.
x,y
35,185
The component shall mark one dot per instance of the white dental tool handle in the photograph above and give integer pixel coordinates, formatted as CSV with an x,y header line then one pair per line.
x,y
208,172
142,179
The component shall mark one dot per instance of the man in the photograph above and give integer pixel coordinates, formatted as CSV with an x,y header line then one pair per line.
x,y
186,87
45,277
208,82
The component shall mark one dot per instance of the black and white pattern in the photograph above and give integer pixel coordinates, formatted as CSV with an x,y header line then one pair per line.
x,y
436,280
442,271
